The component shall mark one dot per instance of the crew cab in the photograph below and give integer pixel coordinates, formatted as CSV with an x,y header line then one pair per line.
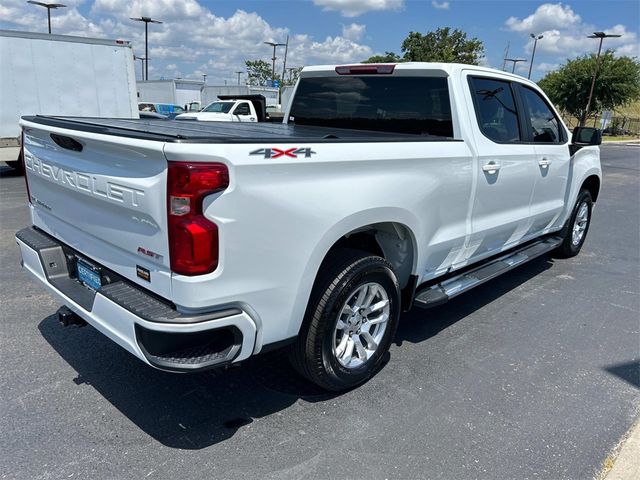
x,y
196,245
231,108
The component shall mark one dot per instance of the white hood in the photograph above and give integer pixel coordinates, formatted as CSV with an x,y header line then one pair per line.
x,y
206,117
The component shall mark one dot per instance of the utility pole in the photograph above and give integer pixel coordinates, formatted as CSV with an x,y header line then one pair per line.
x,y
239,73
506,54
601,36
515,61
535,42
273,59
49,7
284,63
142,60
147,21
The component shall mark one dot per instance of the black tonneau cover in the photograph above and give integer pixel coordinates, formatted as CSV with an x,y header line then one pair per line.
x,y
222,132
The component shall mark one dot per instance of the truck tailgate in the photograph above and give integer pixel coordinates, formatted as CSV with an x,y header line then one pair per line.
x,y
89,189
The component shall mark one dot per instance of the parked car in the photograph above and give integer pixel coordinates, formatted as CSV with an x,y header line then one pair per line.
x,y
197,245
231,108
167,109
618,131
152,115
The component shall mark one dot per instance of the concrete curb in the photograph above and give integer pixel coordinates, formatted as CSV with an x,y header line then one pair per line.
x,y
621,142
627,465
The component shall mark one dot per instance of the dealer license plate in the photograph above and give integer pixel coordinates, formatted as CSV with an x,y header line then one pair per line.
x,y
88,275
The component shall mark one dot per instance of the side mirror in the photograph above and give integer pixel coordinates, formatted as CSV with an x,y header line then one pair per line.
x,y
583,136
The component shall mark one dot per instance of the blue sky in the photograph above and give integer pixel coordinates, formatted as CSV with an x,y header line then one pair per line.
x,y
216,36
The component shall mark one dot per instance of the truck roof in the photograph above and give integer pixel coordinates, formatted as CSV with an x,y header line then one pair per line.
x,y
432,67
64,38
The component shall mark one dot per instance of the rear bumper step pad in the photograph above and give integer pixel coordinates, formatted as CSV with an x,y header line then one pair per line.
x,y
149,327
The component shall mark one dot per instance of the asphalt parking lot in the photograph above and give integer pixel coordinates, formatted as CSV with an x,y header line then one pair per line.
x,y
534,375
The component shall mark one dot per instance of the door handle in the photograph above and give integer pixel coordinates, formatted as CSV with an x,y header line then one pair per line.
x,y
491,168
544,163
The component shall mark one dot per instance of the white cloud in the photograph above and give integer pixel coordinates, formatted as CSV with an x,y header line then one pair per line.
x,y
547,17
546,67
440,5
576,41
565,36
353,32
629,50
160,9
354,8
192,40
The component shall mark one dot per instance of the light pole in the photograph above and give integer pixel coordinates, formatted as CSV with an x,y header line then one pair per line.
x,y
142,59
48,6
239,73
147,21
514,60
273,59
204,78
533,55
601,36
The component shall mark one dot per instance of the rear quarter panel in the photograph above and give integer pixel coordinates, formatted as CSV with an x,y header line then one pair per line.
x,y
280,216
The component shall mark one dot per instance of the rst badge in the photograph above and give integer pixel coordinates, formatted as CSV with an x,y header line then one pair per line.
x,y
279,152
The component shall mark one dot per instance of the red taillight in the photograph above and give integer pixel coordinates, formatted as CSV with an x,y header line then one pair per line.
x,y
24,170
384,69
193,239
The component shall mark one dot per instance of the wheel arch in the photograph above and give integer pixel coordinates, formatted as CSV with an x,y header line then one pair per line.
x,y
592,184
389,233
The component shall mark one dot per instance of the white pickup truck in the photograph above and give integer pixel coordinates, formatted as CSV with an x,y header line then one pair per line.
x,y
244,108
194,245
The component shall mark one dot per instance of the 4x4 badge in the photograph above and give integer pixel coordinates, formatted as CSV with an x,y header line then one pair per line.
x,y
278,152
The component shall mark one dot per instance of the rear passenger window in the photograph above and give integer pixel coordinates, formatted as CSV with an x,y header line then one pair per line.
x,y
412,105
496,109
544,124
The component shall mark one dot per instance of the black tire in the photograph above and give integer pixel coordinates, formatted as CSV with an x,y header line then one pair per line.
x,y
314,352
568,248
17,165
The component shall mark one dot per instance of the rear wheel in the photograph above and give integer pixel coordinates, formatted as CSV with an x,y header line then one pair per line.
x,y
350,322
575,230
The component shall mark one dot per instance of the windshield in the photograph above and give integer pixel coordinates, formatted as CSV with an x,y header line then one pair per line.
x,y
414,105
219,107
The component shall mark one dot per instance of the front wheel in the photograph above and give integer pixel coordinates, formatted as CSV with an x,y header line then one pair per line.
x,y
575,231
350,322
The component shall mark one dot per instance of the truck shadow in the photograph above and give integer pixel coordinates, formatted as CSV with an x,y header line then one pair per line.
x,y
627,371
195,411
419,325
6,171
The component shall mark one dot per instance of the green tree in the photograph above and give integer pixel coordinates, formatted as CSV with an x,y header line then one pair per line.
x,y
259,72
388,57
291,76
443,45
617,83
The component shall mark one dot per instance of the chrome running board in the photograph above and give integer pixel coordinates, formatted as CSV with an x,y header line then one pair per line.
x,y
454,286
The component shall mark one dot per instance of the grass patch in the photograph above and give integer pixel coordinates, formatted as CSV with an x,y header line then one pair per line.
x,y
613,138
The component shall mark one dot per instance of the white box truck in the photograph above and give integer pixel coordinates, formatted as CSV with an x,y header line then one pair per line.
x,y
175,92
61,75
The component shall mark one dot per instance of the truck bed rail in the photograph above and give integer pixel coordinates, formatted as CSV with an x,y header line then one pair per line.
x,y
185,131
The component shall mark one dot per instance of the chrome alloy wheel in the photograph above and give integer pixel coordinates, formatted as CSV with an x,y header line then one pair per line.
x,y
580,224
361,324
